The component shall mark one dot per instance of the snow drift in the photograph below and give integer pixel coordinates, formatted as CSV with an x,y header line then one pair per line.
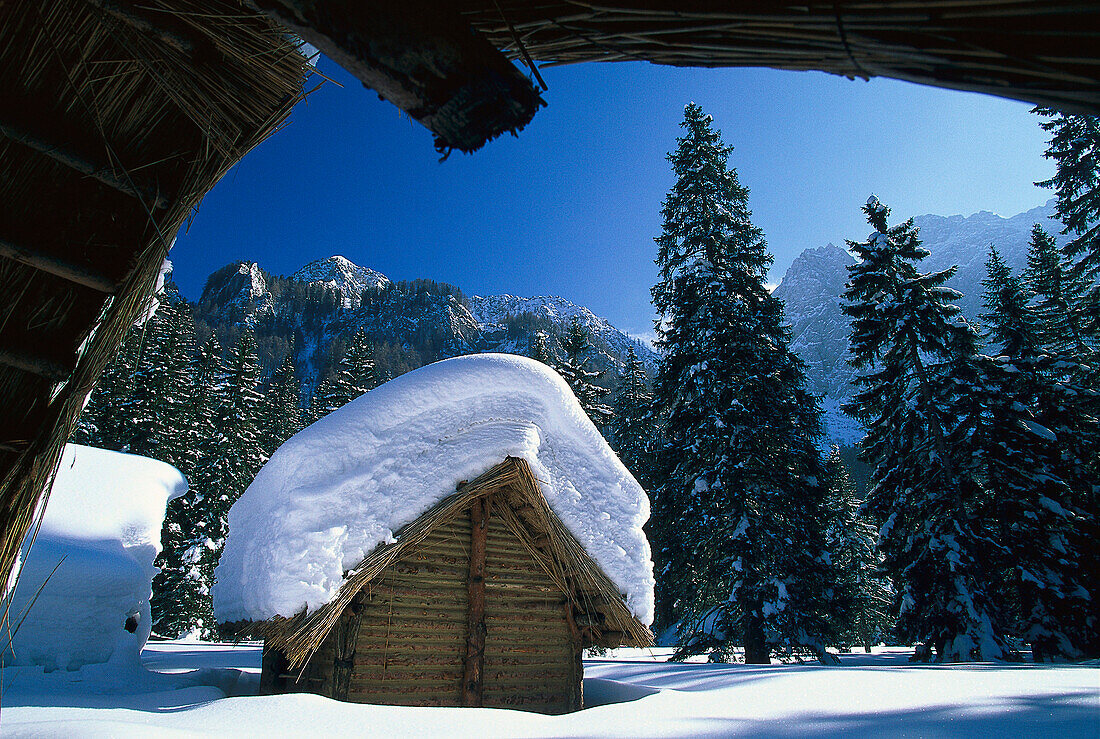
x,y
344,485
101,530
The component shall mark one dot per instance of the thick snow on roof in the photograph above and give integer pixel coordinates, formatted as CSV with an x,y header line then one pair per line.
x,y
102,524
338,489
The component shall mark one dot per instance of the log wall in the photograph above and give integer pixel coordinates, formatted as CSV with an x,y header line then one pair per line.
x,y
531,659
404,640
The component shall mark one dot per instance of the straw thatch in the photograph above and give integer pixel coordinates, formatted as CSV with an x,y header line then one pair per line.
x,y
598,610
1041,51
117,119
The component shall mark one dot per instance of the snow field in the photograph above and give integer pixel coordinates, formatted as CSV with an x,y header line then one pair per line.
x,y
871,695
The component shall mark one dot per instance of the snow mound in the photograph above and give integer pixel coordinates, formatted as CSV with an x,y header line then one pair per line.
x,y
102,524
344,485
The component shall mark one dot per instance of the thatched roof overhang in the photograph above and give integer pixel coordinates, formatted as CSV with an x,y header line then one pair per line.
x,y
437,61
605,619
422,57
116,120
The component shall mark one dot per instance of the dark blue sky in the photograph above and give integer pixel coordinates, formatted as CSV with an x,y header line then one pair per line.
x,y
571,206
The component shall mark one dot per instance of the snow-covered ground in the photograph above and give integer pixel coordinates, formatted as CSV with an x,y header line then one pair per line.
x,y
869,695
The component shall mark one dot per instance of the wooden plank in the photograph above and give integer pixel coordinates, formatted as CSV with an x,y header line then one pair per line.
x,y
475,630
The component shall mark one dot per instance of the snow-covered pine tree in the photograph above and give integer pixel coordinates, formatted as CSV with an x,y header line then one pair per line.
x,y
1009,320
738,521
577,347
540,348
631,431
355,375
229,458
905,335
102,424
281,412
863,597
1075,149
1058,293
162,385
181,589
1028,509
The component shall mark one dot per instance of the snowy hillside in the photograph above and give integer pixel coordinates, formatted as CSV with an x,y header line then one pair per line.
x,y
965,241
492,311
811,292
344,276
411,323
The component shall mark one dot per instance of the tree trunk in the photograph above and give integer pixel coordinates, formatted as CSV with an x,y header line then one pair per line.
x,y
756,648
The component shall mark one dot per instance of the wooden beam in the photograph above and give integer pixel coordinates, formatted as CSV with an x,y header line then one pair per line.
x,y
423,57
132,17
475,631
45,367
102,173
58,267
347,639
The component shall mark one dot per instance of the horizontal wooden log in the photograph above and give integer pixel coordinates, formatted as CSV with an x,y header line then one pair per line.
x,y
426,659
436,629
428,675
36,364
504,648
99,171
58,267
395,642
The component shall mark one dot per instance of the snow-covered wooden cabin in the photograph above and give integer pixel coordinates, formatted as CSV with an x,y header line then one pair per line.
x,y
454,537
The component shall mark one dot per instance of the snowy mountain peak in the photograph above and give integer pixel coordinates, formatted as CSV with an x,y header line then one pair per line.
x,y
240,289
342,275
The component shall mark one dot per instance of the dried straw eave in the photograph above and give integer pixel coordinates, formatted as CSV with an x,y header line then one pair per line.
x,y
565,559
109,139
1046,52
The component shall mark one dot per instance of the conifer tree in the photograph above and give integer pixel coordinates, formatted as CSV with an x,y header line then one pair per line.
x,y
1075,149
102,423
862,598
1058,294
181,589
1047,595
631,431
906,335
162,385
229,456
742,476
281,413
577,347
355,375
1010,322
540,348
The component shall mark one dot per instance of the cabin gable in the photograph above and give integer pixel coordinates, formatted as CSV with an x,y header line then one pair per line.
x,y
484,600
405,638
